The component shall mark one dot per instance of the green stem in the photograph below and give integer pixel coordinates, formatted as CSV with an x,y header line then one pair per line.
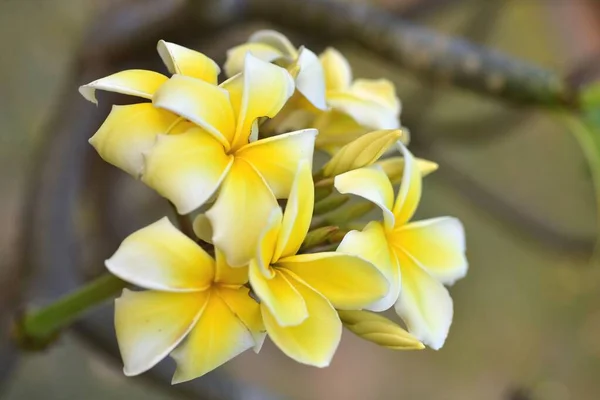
x,y
37,328
588,142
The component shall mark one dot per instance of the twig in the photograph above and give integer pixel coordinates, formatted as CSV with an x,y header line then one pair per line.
x,y
416,48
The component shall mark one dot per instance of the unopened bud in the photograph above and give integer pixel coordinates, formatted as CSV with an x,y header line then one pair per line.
x,y
322,191
362,151
330,203
319,236
344,215
379,330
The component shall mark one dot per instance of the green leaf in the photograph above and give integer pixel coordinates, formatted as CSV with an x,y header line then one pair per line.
x,y
585,127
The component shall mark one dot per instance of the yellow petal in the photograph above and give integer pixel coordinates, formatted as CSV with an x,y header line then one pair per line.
x,y
372,184
278,295
275,40
226,274
362,151
372,245
338,74
267,243
394,168
160,257
240,213
128,132
347,281
150,324
277,158
380,91
310,81
298,213
247,310
134,82
380,330
336,130
315,340
202,103
424,304
187,168
366,112
437,245
202,228
181,60
409,193
266,88
218,336
236,56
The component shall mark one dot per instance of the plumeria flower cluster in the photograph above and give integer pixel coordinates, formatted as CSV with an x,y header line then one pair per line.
x,y
262,259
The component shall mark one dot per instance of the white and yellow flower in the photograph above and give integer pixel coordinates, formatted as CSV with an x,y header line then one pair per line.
x,y
191,296
418,258
197,141
357,106
341,108
272,46
300,293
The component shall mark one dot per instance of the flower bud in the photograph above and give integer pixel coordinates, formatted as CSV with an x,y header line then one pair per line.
x,y
322,191
379,330
330,203
319,236
344,215
362,151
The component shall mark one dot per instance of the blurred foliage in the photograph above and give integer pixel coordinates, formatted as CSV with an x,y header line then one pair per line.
x,y
585,126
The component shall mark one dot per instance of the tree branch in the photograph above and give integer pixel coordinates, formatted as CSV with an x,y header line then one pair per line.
x,y
421,50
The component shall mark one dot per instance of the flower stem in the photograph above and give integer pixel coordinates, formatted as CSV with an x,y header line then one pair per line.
x,y
38,328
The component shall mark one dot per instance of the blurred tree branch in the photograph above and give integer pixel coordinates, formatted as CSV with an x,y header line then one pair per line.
x,y
427,53
421,50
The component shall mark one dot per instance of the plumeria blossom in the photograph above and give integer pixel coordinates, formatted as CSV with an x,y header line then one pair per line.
x,y
197,141
272,46
418,258
299,294
196,309
350,107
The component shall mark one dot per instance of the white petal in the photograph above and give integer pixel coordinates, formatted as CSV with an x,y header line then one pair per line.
x,y
409,193
275,40
181,60
277,158
424,304
150,324
134,82
187,168
372,245
338,74
311,79
241,213
160,257
437,245
130,131
218,336
204,104
370,183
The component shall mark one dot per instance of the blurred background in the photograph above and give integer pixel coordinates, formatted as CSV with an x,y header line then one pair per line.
x,y
527,316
